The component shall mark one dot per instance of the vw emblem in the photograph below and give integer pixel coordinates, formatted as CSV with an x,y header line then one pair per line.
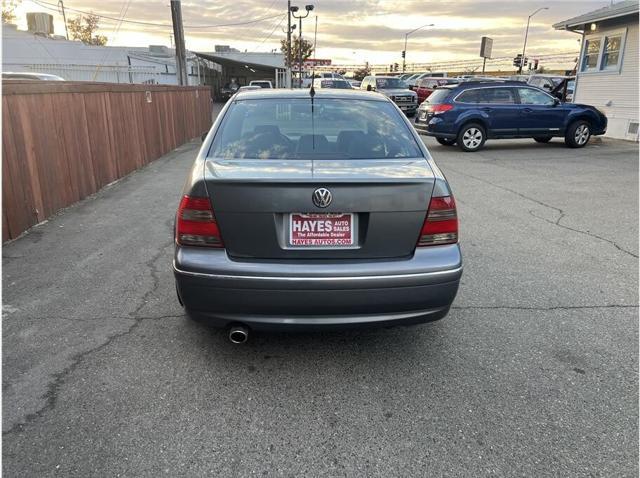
x,y
322,197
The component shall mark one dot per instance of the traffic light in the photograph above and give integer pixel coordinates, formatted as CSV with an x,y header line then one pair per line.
x,y
396,67
535,64
517,61
404,53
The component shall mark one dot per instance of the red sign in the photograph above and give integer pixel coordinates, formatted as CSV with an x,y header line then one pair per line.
x,y
318,61
321,229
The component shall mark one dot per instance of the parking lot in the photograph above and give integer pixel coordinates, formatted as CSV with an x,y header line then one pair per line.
x,y
534,372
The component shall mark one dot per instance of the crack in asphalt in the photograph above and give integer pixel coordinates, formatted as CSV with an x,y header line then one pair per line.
x,y
54,386
588,233
560,212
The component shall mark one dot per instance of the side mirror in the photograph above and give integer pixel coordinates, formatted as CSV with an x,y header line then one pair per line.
x,y
556,102
204,136
369,88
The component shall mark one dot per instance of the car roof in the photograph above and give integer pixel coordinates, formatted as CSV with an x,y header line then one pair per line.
x,y
485,84
30,74
282,93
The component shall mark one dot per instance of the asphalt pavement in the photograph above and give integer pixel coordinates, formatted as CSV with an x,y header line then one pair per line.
x,y
533,373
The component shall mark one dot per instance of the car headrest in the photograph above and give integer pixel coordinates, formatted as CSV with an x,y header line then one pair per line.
x,y
345,138
310,143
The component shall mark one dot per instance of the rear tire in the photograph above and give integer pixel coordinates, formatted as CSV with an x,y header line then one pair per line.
x,y
578,134
446,141
542,139
471,137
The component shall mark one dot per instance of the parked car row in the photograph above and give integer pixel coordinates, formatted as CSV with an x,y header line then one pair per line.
x,y
470,110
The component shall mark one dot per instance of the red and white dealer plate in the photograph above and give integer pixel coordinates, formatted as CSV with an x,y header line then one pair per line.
x,y
325,230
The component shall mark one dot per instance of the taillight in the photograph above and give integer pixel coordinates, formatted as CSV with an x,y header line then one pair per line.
x,y
195,223
441,224
439,108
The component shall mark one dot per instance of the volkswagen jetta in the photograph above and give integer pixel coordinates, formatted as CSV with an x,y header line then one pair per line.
x,y
315,209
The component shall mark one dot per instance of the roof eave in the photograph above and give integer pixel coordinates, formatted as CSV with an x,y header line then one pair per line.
x,y
581,25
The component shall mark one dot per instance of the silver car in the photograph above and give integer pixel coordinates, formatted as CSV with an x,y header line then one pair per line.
x,y
315,211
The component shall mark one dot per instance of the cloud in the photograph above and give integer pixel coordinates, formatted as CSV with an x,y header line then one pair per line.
x,y
371,28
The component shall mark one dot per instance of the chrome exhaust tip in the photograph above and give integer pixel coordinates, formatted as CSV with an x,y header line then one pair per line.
x,y
238,334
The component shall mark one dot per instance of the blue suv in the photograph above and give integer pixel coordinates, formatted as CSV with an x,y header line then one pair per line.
x,y
470,113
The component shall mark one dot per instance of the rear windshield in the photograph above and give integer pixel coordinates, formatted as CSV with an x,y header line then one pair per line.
x,y
281,128
439,95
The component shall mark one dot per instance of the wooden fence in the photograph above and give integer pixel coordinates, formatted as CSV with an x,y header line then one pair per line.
x,y
62,141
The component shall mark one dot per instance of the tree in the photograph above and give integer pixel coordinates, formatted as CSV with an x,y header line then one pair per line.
x,y
83,27
8,10
360,73
307,50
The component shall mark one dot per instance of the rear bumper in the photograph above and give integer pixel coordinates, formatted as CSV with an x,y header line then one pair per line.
x,y
434,126
408,108
296,296
426,132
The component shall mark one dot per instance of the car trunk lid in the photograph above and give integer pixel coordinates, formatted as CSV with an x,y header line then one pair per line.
x,y
385,200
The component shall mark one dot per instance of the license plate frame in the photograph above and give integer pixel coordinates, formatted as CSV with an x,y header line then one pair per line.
x,y
317,242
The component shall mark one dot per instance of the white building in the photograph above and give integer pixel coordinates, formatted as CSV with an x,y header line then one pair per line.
x,y
74,61
607,72
43,52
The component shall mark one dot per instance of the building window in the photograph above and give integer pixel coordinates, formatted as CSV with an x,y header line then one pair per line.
x,y
603,53
591,54
611,56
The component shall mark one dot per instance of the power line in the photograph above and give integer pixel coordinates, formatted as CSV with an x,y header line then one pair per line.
x,y
123,13
50,6
270,34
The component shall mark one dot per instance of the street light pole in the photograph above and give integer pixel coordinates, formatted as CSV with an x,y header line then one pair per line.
x,y
526,34
406,35
293,11
300,52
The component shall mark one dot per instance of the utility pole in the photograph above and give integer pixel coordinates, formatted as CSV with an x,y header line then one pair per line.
x,y
289,60
178,34
64,18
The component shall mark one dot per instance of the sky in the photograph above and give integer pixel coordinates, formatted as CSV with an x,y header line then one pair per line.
x,y
349,31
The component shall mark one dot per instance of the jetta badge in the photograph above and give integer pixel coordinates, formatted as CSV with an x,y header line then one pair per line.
x,y
322,197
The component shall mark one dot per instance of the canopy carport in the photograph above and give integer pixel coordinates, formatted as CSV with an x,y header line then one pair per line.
x,y
243,68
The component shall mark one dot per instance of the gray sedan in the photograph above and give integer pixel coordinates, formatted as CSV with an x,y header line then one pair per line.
x,y
315,211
